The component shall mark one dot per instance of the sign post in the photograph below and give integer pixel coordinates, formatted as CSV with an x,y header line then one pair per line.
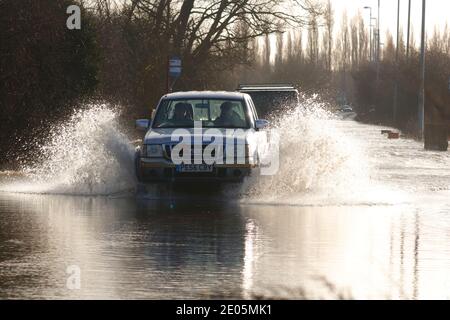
x,y
174,68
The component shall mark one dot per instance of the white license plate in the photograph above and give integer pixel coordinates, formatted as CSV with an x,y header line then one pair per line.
x,y
194,168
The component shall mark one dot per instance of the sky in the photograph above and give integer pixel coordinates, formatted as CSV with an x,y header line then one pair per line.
x,y
437,14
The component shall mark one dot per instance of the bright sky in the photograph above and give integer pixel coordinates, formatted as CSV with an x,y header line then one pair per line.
x,y
437,13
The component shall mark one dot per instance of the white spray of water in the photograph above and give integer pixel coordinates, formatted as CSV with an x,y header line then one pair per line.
x,y
87,155
318,162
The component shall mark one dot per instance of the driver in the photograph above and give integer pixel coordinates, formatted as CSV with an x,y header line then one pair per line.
x,y
182,113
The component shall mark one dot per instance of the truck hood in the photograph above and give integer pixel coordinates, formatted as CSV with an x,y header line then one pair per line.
x,y
164,135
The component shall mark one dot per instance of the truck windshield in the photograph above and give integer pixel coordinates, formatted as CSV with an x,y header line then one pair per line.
x,y
213,113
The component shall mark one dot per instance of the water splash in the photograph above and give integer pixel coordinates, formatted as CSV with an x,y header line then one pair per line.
x,y
317,160
87,155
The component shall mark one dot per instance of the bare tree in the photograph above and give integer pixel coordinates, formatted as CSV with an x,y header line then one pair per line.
x,y
363,40
354,36
328,37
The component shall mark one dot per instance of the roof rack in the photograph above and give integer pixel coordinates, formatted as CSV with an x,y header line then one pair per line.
x,y
267,85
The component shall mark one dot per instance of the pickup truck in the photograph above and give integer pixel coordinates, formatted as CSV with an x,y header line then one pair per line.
x,y
201,136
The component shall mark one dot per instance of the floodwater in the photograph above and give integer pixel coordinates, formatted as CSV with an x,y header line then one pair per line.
x,y
351,215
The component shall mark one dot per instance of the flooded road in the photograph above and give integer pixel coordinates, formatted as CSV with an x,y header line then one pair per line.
x,y
384,236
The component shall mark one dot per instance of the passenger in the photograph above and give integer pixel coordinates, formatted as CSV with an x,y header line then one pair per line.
x,y
182,114
228,117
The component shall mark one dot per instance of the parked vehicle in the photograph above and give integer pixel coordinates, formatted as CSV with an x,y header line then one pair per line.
x,y
347,113
269,97
200,136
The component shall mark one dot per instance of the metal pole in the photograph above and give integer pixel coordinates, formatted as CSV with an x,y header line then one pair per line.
x,y
378,44
167,75
422,74
396,66
374,39
370,44
409,29
370,35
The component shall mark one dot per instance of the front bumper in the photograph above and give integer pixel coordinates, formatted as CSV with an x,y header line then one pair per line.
x,y
152,170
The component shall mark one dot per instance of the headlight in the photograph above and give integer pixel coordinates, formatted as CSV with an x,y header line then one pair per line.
x,y
153,150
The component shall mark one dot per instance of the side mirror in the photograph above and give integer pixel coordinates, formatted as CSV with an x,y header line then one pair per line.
x,y
261,124
142,124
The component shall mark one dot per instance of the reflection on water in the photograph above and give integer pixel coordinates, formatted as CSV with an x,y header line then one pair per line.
x,y
125,248
131,248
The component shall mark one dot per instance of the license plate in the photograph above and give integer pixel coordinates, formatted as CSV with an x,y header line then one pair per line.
x,y
194,168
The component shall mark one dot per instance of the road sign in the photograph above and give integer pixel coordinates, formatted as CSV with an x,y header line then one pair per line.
x,y
175,67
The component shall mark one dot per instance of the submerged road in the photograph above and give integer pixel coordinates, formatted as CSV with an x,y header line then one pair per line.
x,y
387,238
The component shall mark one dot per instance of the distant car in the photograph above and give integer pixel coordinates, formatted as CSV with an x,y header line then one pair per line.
x,y
346,113
229,115
269,97
346,109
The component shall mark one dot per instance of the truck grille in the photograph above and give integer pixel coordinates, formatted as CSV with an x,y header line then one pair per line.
x,y
168,152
